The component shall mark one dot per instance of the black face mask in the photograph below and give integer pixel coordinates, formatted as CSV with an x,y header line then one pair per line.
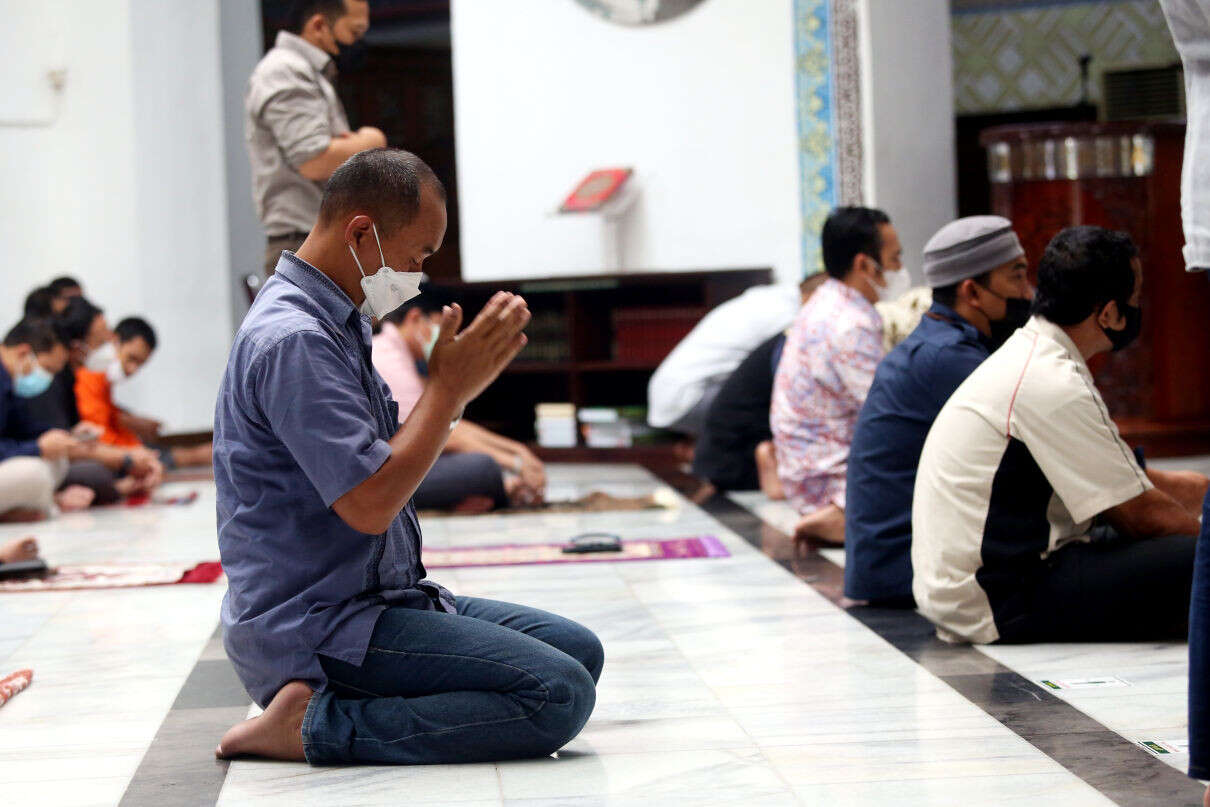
x,y
1134,324
1016,314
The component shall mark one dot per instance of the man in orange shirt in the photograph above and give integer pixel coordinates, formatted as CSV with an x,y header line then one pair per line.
x,y
133,342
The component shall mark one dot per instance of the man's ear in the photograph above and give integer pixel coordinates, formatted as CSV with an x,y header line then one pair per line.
x,y
1110,316
358,228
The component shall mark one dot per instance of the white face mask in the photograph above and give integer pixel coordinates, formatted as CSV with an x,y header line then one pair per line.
x,y
897,284
386,289
115,373
101,358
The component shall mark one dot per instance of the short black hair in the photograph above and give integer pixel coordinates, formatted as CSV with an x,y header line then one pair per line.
x,y
73,324
384,183
849,232
948,295
40,303
61,284
36,332
431,300
134,328
303,10
1081,271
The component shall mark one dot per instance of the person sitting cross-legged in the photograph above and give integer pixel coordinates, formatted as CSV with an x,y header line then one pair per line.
x,y
133,342
329,619
479,470
828,364
1032,521
977,271
34,457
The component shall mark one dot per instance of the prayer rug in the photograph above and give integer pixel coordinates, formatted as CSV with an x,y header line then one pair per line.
x,y
116,575
132,575
141,499
596,502
702,546
10,685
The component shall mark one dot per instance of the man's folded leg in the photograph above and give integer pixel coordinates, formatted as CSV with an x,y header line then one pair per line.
x,y
489,683
1110,590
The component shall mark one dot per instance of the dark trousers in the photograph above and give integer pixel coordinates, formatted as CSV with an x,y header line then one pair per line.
x,y
494,681
95,476
1199,655
1110,590
456,477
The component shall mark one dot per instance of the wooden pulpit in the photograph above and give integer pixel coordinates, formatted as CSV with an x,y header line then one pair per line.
x,y
1123,176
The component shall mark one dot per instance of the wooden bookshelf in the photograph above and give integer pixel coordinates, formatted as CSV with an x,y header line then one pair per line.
x,y
572,356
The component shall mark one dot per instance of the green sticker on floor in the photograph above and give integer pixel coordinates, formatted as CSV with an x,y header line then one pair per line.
x,y
1100,682
1163,748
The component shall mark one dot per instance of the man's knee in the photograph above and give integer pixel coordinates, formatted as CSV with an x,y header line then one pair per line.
x,y
572,694
26,483
584,646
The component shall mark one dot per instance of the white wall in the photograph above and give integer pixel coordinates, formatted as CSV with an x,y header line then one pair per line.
x,y
702,107
124,188
908,103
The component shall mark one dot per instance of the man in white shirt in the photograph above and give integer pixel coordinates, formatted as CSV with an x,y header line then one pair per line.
x,y
1032,520
685,383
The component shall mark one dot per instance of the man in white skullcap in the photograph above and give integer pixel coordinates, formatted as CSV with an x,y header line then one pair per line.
x,y
977,271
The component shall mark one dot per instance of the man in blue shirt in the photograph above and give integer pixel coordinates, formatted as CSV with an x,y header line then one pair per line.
x,y
977,271
328,619
33,456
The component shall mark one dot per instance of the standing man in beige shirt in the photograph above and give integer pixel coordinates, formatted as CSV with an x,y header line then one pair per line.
x,y
296,128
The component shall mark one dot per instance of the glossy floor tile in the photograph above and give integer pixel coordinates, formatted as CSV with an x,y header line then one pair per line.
x,y
727,681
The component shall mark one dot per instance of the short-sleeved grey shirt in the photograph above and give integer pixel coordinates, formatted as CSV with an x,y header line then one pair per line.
x,y
292,113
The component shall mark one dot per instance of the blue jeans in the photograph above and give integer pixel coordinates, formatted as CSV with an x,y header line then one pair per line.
x,y
495,681
1199,655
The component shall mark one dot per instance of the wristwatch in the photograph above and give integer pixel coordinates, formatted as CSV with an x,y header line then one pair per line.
x,y
124,468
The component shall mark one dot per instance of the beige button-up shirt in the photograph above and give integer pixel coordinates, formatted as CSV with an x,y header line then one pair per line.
x,y
292,114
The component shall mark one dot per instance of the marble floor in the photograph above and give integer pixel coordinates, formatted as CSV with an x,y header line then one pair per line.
x,y
727,681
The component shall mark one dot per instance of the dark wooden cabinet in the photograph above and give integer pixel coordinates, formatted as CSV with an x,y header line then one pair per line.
x,y
583,348
1123,176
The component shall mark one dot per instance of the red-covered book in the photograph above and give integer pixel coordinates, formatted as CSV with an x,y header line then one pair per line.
x,y
595,190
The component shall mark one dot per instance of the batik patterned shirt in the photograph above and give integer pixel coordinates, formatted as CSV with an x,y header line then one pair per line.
x,y
826,370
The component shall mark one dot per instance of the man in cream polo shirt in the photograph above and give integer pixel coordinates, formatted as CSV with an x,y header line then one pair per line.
x,y
1032,520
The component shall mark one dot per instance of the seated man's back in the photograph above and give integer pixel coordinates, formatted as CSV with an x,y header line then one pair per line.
x,y
738,421
685,383
826,368
910,386
976,270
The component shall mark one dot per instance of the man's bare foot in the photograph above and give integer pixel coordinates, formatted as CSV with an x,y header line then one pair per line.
x,y
274,734
766,471
825,525
21,515
520,494
74,497
18,550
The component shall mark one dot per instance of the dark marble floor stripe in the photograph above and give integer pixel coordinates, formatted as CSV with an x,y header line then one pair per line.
x,y
1122,771
179,768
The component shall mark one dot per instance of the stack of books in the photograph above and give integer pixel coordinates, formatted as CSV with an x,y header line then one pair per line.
x,y
555,425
